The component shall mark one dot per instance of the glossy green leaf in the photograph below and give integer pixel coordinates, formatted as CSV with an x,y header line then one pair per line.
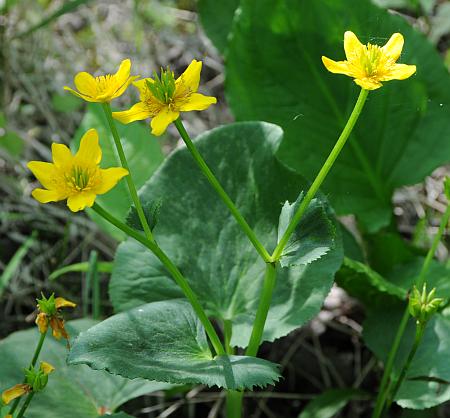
x,y
360,281
274,73
143,154
217,18
204,240
313,237
424,385
330,402
72,391
165,341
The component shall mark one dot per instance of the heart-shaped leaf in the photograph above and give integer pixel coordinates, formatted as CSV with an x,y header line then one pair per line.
x,y
198,232
165,341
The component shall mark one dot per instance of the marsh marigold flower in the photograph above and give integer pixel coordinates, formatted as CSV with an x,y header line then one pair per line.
x,y
77,178
163,98
50,315
369,64
103,88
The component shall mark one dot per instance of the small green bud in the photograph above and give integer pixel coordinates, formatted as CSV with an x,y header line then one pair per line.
x,y
422,305
38,379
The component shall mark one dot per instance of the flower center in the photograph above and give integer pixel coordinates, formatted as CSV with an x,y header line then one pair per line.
x,y
163,87
79,178
103,82
370,59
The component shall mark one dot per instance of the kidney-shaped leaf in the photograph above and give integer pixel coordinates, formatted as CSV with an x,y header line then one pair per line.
x,y
165,341
198,232
274,72
72,391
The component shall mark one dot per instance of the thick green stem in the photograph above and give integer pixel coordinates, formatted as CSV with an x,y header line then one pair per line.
x,y
420,330
123,161
234,404
25,405
263,309
221,192
383,391
34,360
173,270
322,174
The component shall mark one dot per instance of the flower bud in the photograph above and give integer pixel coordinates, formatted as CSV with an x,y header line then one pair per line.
x,y
422,305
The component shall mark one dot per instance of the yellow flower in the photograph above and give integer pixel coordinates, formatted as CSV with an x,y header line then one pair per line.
x,y
163,98
371,64
77,178
15,392
103,88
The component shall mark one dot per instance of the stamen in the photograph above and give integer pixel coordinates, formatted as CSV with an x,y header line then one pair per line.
x,y
79,178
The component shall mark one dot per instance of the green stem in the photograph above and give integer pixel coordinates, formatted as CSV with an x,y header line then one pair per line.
x,y
263,309
123,161
25,405
176,274
34,360
234,404
322,173
222,193
383,391
228,332
420,330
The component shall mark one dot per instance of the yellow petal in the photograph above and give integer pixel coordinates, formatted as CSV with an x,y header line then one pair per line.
x,y
46,368
141,85
367,83
86,84
399,72
79,201
61,154
42,322
15,392
64,303
137,112
198,101
352,46
190,79
110,177
89,150
162,120
45,196
82,96
337,67
124,86
44,172
123,73
394,46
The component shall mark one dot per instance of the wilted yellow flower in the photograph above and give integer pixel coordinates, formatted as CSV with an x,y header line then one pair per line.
x,y
15,392
77,178
369,64
50,315
163,98
46,368
103,88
